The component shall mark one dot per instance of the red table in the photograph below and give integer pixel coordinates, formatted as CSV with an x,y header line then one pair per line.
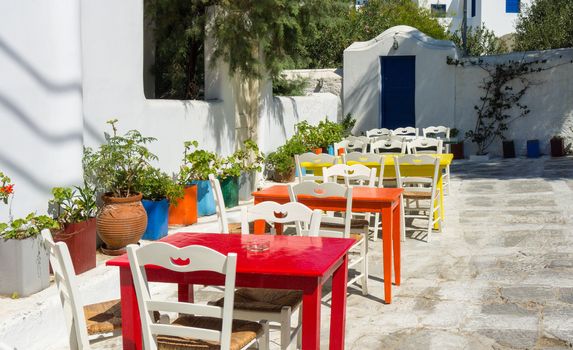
x,y
303,263
385,201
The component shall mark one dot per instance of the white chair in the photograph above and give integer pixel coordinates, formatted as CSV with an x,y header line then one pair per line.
x,y
317,160
370,159
378,132
418,189
82,321
441,132
224,225
425,146
409,131
354,145
352,175
275,305
200,325
392,145
340,227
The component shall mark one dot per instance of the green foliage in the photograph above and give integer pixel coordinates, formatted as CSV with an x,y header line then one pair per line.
x,y
157,185
480,41
197,163
324,46
6,188
246,159
289,87
30,226
546,24
282,160
348,124
72,205
116,165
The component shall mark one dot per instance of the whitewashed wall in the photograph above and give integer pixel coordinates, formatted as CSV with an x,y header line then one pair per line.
x,y
40,99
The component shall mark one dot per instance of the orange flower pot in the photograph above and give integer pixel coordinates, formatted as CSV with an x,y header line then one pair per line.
x,y
317,150
185,212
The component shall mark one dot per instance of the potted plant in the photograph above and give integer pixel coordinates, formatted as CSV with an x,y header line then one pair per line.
x,y
197,165
508,148
158,190
75,210
309,136
533,149
114,168
329,133
250,161
457,148
557,146
280,164
24,259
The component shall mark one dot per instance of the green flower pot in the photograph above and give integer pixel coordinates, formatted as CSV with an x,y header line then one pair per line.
x,y
230,189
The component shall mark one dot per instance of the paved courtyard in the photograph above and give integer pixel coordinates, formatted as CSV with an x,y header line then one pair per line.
x,y
500,276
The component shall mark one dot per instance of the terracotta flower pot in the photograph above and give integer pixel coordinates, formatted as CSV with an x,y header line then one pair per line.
x,y
120,222
80,238
284,177
317,150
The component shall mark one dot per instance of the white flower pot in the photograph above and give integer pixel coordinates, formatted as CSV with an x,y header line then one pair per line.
x,y
479,158
24,266
247,185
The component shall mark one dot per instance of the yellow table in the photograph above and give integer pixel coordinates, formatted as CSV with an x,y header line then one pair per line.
x,y
416,170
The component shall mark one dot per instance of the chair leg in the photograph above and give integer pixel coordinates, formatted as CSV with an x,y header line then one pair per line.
x,y
364,252
299,335
264,341
447,183
285,327
402,221
376,226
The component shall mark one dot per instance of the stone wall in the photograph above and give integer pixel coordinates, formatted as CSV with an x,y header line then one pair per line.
x,y
319,80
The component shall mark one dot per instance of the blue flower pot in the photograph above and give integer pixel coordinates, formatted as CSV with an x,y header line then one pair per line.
x,y
157,217
533,149
296,172
205,198
330,150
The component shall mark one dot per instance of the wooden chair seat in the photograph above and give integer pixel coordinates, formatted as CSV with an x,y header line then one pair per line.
x,y
264,300
417,195
103,317
354,224
243,333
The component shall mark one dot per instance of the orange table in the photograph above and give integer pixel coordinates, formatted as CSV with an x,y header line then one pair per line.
x,y
385,201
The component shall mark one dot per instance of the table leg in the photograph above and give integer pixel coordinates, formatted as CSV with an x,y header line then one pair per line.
x,y
311,317
396,242
338,306
258,225
442,210
387,252
185,293
130,323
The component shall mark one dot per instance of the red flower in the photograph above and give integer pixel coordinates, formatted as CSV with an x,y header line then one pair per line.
x,y
9,189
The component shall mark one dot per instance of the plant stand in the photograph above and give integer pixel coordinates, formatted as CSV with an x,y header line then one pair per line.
x,y
81,241
24,266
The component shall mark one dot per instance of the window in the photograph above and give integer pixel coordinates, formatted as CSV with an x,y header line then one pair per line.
x,y
474,8
512,6
438,10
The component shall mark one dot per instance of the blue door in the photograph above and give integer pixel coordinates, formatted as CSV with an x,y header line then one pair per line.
x,y
397,97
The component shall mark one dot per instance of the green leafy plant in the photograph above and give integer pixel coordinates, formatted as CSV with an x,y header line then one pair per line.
x,y
480,41
454,132
197,163
116,165
157,185
6,188
544,25
30,226
348,123
282,160
329,133
289,87
246,159
72,205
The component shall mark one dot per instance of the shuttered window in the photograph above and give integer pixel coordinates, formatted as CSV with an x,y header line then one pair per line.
x,y
512,6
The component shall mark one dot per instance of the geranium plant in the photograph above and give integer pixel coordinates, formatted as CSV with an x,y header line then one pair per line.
x,y
197,163
115,166
6,189
73,204
157,185
246,159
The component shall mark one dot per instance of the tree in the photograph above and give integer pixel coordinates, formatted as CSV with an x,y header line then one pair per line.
x,y
546,24
480,41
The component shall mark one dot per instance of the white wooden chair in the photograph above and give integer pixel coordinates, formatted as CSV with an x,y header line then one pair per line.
x,y
418,190
340,227
319,160
83,321
392,145
198,326
408,131
224,225
425,146
353,145
370,158
352,175
275,305
440,132
378,132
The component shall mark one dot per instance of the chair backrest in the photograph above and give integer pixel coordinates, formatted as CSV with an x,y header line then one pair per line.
x,y
388,146
306,220
368,159
356,174
436,131
378,132
65,278
425,145
316,161
407,131
325,190
362,138
351,145
187,259
219,203
418,160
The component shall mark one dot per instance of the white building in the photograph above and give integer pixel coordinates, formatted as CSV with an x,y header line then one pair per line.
x,y
498,15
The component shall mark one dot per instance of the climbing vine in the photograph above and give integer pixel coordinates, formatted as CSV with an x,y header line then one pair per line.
x,y
500,105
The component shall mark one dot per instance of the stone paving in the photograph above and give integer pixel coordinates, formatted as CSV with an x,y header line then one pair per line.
x,y
500,275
